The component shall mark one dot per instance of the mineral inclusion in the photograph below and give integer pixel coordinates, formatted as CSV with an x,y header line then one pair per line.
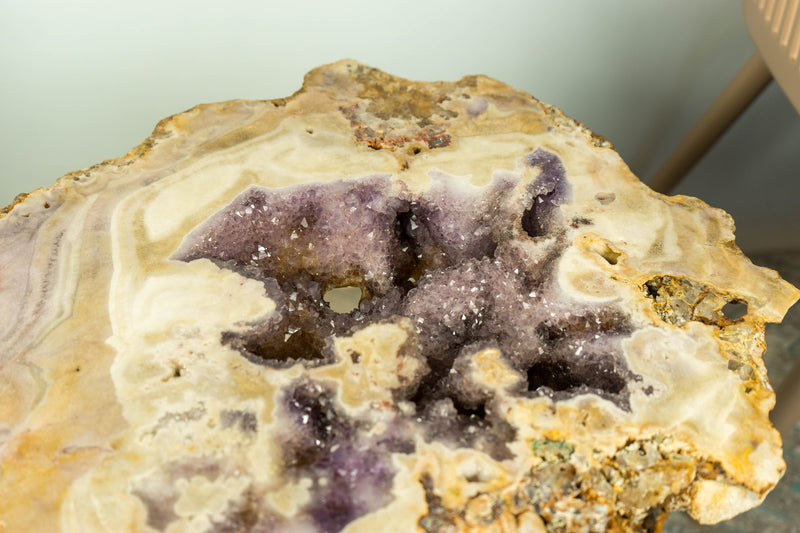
x,y
377,305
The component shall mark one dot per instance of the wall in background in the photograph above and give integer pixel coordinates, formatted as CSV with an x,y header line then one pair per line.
x,y
85,81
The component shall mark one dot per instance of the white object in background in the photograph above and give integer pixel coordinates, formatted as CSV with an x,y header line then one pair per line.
x,y
774,26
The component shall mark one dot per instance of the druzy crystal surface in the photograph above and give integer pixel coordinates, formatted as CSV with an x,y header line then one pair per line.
x,y
378,305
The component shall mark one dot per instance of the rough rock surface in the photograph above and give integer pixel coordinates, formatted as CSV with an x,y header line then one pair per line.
x,y
377,305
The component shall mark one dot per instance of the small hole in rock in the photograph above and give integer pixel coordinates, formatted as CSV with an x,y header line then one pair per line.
x,y
556,375
562,376
411,262
734,310
532,222
415,150
309,131
46,205
603,250
343,299
609,255
291,344
471,414
605,198
475,474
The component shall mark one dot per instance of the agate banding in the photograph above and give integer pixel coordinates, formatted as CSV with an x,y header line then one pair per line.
x,y
441,306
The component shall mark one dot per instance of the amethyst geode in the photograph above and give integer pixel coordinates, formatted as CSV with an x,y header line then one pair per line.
x,y
378,305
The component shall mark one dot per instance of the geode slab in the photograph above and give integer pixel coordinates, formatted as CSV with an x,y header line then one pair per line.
x,y
378,305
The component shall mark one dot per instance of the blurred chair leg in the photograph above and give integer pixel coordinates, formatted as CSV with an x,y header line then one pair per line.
x,y
734,99
787,404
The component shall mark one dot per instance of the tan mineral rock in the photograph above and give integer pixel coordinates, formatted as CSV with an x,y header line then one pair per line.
x,y
377,305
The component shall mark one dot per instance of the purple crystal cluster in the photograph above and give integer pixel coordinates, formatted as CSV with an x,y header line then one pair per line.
x,y
350,471
467,266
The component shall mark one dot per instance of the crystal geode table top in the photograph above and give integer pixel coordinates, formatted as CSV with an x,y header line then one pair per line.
x,y
378,305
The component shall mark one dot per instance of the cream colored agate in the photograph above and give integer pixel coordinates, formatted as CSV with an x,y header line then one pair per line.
x,y
113,369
